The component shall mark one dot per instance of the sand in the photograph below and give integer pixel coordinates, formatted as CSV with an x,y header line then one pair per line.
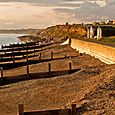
x,y
92,87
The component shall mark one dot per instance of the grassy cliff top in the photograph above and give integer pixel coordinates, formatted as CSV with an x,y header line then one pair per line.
x,y
61,32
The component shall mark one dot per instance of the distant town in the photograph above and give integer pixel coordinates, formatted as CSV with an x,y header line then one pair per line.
x,y
107,22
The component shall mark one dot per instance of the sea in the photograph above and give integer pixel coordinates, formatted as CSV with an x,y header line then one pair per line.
x,y
6,39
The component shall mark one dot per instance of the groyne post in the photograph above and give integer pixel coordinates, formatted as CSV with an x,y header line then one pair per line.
x,y
23,50
21,109
34,52
69,41
27,66
2,47
70,67
13,61
1,69
27,69
1,58
65,56
40,55
73,109
1,78
49,69
51,55
18,47
5,52
27,56
12,53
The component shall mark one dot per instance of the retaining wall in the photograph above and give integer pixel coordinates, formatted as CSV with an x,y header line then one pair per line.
x,y
104,53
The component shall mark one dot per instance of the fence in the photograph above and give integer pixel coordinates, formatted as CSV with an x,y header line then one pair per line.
x,y
72,111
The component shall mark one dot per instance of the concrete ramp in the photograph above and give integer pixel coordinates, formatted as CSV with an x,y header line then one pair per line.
x,y
66,42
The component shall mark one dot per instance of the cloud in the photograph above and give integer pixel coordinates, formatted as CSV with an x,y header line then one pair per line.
x,y
42,13
35,1
58,3
89,11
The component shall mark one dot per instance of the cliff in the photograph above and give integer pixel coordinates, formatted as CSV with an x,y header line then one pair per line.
x,y
62,32
57,33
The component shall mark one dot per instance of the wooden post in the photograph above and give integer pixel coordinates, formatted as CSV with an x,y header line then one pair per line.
x,y
73,109
51,55
34,54
40,56
27,69
23,54
22,47
1,79
23,51
27,66
69,41
2,47
18,47
34,49
70,67
49,69
27,50
13,60
27,58
1,69
1,58
12,54
21,109
65,56
5,52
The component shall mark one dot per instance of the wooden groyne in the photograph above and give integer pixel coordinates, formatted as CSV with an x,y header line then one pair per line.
x,y
72,111
30,54
14,52
19,47
30,75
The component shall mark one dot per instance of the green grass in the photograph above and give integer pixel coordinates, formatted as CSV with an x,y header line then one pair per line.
x,y
109,39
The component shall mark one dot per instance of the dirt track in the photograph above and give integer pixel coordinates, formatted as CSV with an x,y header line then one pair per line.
x,y
92,88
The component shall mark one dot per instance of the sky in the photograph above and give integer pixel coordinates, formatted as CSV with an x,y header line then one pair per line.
x,y
17,14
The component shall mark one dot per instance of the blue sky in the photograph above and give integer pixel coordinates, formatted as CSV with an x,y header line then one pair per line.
x,y
43,13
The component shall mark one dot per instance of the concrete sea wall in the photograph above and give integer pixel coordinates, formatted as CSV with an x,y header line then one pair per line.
x,y
104,53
